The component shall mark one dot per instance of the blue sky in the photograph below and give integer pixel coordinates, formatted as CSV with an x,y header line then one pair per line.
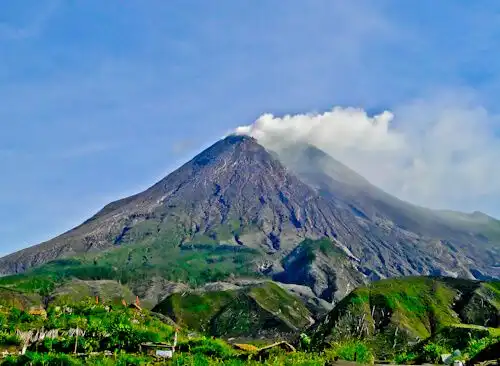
x,y
99,99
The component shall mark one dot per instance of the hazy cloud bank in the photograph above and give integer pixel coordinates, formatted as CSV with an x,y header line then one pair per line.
x,y
441,153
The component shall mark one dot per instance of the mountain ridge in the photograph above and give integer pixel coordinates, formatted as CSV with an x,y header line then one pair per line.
x,y
240,194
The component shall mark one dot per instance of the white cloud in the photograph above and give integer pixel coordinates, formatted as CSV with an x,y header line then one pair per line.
x,y
441,153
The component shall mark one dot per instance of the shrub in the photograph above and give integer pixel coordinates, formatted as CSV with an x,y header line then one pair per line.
x,y
191,360
8,339
126,359
208,347
432,352
351,351
305,342
404,358
477,345
41,359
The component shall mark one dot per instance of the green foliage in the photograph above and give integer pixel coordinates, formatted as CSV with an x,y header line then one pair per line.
x,y
477,345
30,283
9,339
194,263
458,336
41,359
277,300
263,307
208,347
276,358
57,359
126,359
392,313
304,342
325,246
105,329
432,353
405,358
307,250
352,350
297,358
195,311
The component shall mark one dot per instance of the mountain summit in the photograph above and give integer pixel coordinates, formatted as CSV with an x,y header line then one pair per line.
x,y
236,194
235,186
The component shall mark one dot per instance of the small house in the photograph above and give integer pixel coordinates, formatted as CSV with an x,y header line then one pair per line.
x,y
160,349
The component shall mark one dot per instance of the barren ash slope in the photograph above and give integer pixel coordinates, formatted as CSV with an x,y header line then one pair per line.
x,y
238,193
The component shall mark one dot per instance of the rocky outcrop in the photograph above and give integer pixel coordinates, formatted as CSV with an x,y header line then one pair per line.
x,y
155,289
323,267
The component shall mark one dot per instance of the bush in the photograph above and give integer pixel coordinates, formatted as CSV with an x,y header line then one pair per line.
x,y
404,358
8,339
181,359
208,347
17,316
432,353
477,345
125,359
351,351
305,342
42,359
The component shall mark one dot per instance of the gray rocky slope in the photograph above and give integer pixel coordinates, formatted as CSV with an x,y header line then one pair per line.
x,y
272,202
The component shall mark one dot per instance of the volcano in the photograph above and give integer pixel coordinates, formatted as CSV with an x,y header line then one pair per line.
x,y
237,194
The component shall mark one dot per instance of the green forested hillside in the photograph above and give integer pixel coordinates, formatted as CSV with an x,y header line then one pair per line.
x,y
395,314
413,319
260,311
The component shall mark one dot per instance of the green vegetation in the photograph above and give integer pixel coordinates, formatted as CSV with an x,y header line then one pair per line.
x,y
408,320
403,320
195,310
351,350
437,314
191,263
275,299
18,299
307,251
75,290
121,330
264,309
325,246
108,328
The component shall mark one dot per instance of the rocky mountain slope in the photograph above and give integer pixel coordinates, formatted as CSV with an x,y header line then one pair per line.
x,y
323,267
476,235
238,209
233,192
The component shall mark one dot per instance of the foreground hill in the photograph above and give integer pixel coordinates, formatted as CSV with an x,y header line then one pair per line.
x,y
239,210
260,311
395,313
405,320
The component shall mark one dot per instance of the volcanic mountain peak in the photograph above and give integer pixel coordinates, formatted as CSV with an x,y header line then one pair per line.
x,y
235,184
238,193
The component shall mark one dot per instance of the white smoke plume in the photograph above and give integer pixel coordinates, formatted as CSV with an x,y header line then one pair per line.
x,y
437,154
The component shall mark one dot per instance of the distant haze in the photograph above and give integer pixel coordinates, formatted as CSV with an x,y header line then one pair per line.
x,y
439,154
